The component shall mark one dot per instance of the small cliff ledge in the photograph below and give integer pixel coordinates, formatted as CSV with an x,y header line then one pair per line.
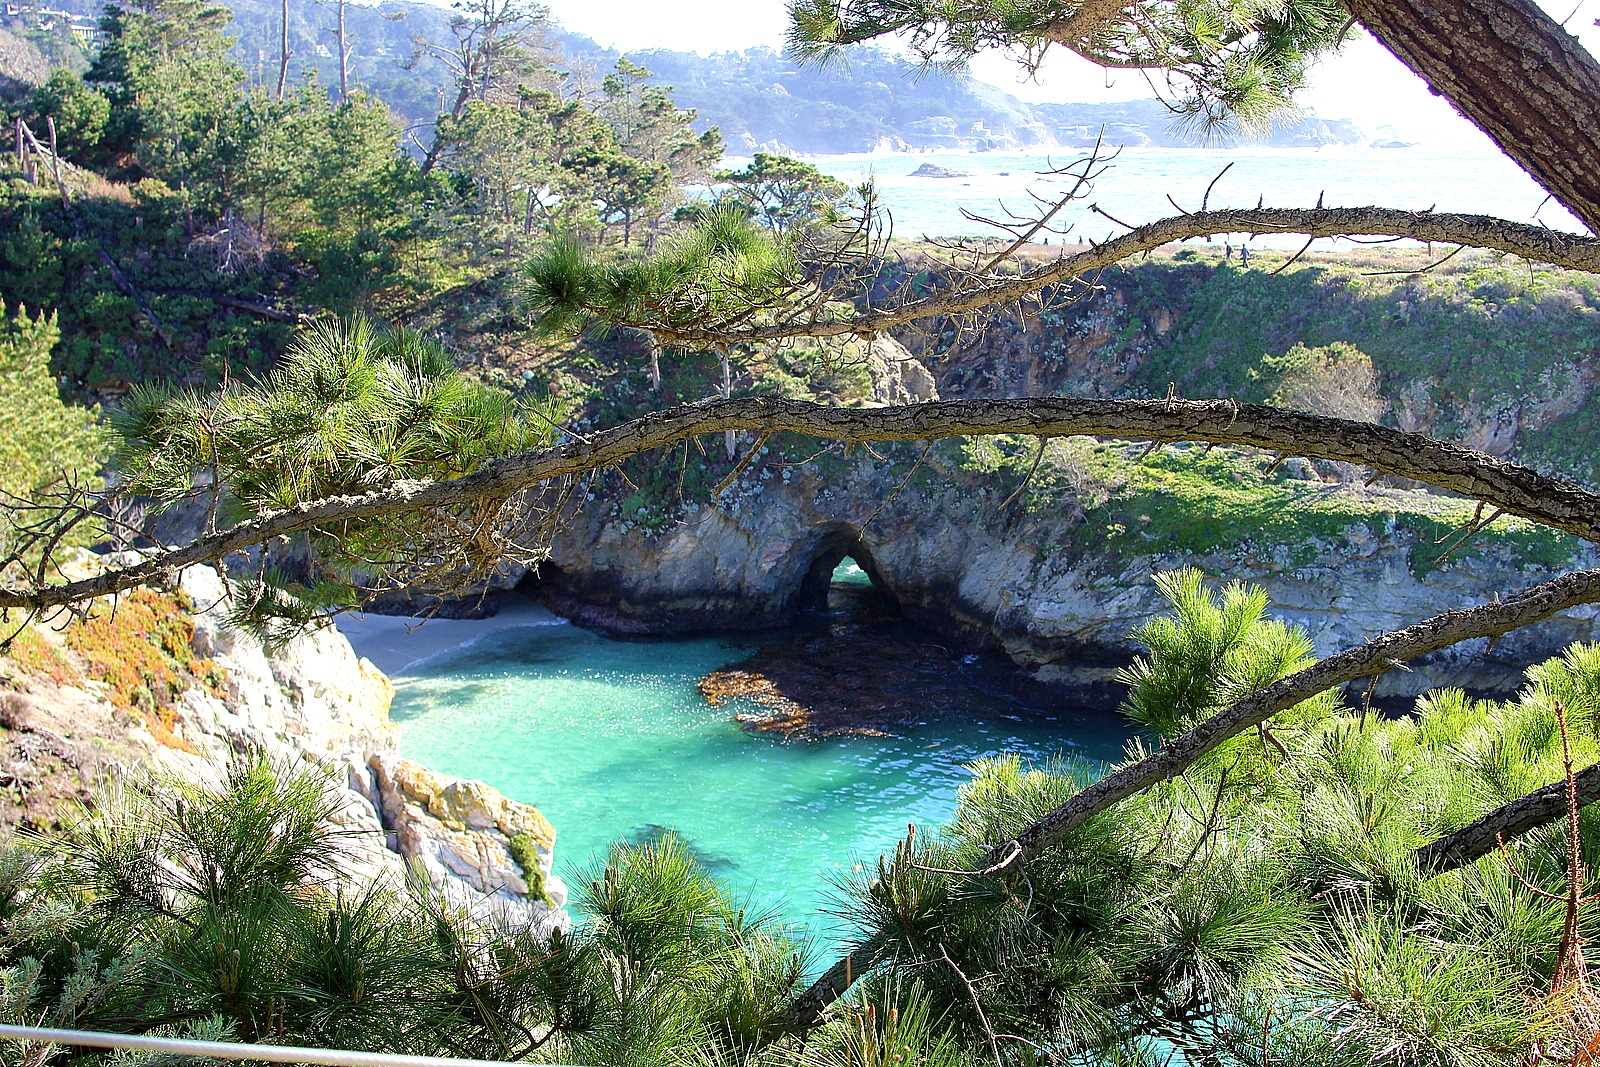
x,y
313,701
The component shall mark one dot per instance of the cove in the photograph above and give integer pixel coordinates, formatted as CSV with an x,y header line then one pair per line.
x,y
612,740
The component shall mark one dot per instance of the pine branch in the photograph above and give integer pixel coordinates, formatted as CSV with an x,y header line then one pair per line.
x,y
1481,837
1517,490
1371,658
1537,243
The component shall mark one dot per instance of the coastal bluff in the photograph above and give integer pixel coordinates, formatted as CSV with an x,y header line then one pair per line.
x,y
312,701
1056,587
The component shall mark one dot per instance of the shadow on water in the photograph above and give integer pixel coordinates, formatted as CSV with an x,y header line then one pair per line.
x,y
655,833
853,665
613,740
456,692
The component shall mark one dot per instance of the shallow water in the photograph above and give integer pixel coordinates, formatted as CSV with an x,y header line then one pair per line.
x,y
611,739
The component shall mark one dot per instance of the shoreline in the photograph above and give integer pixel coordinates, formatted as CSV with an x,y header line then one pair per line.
x,y
398,644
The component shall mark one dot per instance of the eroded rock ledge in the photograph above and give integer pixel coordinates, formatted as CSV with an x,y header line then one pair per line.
x,y
313,701
1034,585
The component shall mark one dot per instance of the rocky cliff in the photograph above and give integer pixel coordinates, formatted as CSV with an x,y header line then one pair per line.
x,y
1051,566
1057,589
312,701
1058,574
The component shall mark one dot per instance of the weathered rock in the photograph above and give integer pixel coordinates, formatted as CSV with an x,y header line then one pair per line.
x,y
468,837
1011,585
315,701
315,694
898,377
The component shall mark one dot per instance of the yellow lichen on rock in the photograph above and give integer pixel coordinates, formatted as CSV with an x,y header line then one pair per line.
x,y
461,804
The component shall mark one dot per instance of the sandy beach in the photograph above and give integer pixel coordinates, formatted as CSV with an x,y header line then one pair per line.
x,y
398,644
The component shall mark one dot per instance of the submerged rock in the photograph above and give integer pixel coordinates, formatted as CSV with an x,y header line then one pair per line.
x,y
868,681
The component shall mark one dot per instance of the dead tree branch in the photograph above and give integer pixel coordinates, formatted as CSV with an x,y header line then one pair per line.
x,y
1538,243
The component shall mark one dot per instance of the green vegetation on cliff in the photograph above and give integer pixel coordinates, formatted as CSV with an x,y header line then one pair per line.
x,y
1480,349
43,440
1116,503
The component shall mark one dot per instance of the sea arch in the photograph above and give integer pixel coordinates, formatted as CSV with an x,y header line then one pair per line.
x,y
830,545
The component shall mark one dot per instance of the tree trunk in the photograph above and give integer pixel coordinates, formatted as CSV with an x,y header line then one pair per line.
x,y
344,59
730,438
1513,72
432,158
283,49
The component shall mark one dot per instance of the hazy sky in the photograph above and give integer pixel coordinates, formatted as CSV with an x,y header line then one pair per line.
x,y
1363,83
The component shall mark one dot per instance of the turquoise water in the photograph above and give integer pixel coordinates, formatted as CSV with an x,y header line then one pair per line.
x,y
1136,187
611,739
849,573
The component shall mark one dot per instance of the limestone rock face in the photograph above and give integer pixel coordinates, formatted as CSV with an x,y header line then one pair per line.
x,y
465,835
1022,584
316,701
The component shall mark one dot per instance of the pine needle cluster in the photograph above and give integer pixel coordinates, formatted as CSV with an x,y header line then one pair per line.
x,y
1267,905
229,912
724,267
1230,65
352,408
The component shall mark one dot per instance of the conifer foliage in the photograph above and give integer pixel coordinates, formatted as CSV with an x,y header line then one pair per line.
x,y
225,911
1265,907
47,446
352,407
44,441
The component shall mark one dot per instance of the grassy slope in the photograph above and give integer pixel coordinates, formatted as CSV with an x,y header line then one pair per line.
x,y
1478,340
1185,499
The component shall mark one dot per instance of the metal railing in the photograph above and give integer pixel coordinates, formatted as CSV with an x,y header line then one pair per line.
x,y
228,1050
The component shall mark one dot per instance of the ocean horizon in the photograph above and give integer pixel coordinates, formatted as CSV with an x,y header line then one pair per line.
x,y
1141,185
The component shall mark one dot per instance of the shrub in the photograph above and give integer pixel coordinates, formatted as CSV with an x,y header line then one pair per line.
x,y
141,649
32,654
1336,380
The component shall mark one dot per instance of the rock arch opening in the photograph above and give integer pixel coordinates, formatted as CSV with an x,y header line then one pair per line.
x,y
843,574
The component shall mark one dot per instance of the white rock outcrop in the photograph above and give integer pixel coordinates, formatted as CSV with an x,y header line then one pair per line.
x,y
473,843
898,377
316,700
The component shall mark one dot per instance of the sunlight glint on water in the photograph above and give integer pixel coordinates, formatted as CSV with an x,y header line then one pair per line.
x,y
611,739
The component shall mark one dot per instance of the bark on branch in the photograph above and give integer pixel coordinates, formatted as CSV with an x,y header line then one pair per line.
x,y
1538,243
1079,28
1515,489
1483,836
1516,74
1374,657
